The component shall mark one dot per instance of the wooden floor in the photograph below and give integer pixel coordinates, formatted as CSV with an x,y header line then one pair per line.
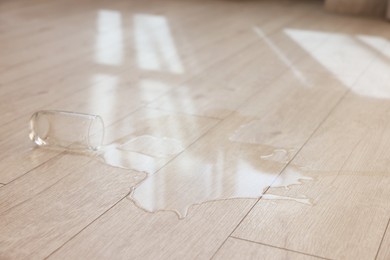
x,y
260,95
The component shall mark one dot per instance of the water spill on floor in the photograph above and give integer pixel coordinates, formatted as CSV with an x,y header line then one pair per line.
x,y
178,187
168,175
144,153
152,146
279,155
114,155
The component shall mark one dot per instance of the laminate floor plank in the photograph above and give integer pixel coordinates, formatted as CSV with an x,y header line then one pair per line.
x,y
384,252
240,249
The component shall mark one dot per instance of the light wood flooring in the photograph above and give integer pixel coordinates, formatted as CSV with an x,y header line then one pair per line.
x,y
256,92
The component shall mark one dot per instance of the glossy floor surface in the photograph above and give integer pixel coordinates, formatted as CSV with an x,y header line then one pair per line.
x,y
246,130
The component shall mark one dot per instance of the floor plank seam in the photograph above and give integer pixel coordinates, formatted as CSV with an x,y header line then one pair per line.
x,y
383,238
349,156
42,191
39,165
234,229
93,221
282,248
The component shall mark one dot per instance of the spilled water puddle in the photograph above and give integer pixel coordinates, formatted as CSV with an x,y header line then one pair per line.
x,y
171,176
178,189
279,155
152,146
193,180
144,153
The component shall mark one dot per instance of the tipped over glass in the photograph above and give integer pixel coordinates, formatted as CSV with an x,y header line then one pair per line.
x,y
70,130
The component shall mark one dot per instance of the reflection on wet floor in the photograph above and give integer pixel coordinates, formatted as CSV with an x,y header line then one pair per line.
x,y
175,173
281,155
178,192
193,181
154,146
144,153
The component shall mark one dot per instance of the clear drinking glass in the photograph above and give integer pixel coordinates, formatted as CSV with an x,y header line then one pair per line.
x,y
67,130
